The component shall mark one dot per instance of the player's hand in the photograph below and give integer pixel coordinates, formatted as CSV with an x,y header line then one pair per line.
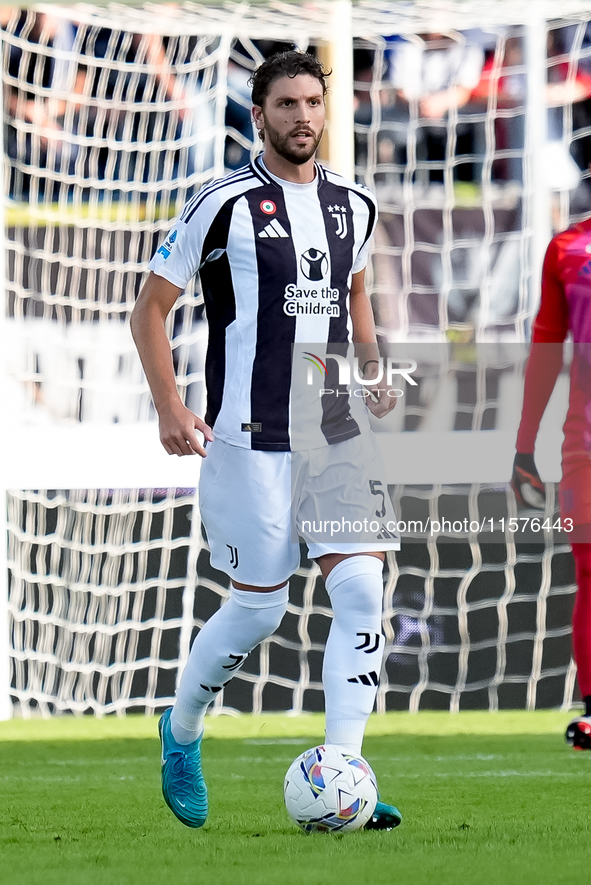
x,y
378,402
177,431
526,483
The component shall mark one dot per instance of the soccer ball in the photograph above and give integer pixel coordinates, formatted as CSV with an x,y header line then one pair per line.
x,y
325,790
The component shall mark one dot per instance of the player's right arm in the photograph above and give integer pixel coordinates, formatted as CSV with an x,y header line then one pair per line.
x,y
177,423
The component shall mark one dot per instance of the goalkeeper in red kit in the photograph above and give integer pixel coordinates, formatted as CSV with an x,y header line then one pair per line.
x,y
565,308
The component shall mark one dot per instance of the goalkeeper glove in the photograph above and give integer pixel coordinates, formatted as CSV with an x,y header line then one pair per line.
x,y
526,483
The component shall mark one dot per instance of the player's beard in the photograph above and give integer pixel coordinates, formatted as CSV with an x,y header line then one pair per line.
x,y
282,146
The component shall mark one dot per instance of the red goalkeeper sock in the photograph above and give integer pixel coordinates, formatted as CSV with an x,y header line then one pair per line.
x,y
582,617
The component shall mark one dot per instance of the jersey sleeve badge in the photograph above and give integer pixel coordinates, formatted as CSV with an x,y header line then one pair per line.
x,y
166,247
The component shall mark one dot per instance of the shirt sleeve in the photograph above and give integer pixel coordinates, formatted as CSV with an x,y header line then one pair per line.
x,y
545,356
363,255
551,323
178,258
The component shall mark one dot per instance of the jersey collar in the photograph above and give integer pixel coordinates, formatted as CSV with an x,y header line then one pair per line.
x,y
261,172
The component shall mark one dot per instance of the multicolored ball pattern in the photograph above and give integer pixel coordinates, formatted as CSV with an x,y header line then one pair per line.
x,y
326,790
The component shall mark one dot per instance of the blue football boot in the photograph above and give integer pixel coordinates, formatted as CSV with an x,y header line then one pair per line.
x,y
385,817
183,786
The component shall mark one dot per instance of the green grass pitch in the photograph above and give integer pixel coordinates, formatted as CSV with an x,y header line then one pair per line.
x,y
486,798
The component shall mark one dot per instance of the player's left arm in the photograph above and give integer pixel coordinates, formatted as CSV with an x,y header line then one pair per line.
x,y
366,348
543,367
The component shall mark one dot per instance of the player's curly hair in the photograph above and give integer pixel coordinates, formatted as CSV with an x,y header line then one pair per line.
x,y
285,64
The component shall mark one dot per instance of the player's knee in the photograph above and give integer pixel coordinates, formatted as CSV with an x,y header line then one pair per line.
x,y
267,609
355,586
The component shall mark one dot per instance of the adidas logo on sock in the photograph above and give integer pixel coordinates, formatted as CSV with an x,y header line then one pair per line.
x,y
365,678
214,688
273,229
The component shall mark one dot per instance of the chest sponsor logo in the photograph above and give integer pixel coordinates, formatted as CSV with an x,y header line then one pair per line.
x,y
323,301
339,213
314,264
585,270
166,247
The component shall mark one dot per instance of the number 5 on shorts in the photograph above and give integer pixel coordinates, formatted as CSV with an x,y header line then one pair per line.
x,y
373,487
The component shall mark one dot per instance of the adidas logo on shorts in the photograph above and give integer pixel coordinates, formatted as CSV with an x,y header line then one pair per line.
x,y
273,229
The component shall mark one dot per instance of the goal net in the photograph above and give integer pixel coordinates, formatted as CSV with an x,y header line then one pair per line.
x,y
471,124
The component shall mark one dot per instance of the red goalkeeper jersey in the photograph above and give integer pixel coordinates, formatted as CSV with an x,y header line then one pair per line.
x,y
565,307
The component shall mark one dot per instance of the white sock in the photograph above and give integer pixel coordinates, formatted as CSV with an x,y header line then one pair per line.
x,y
354,649
219,650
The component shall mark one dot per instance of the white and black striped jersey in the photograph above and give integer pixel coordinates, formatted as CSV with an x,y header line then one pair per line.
x,y
275,260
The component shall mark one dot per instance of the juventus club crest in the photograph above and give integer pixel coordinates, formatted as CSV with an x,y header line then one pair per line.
x,y
339,213
233,555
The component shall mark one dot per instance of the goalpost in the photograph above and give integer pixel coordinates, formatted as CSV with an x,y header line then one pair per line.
x,y
113,118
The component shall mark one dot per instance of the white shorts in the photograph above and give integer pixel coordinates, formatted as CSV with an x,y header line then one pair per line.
x,y
246,496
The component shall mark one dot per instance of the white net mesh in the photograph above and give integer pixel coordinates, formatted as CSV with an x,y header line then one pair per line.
x,y
444,135
112,119
96,584
103,596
